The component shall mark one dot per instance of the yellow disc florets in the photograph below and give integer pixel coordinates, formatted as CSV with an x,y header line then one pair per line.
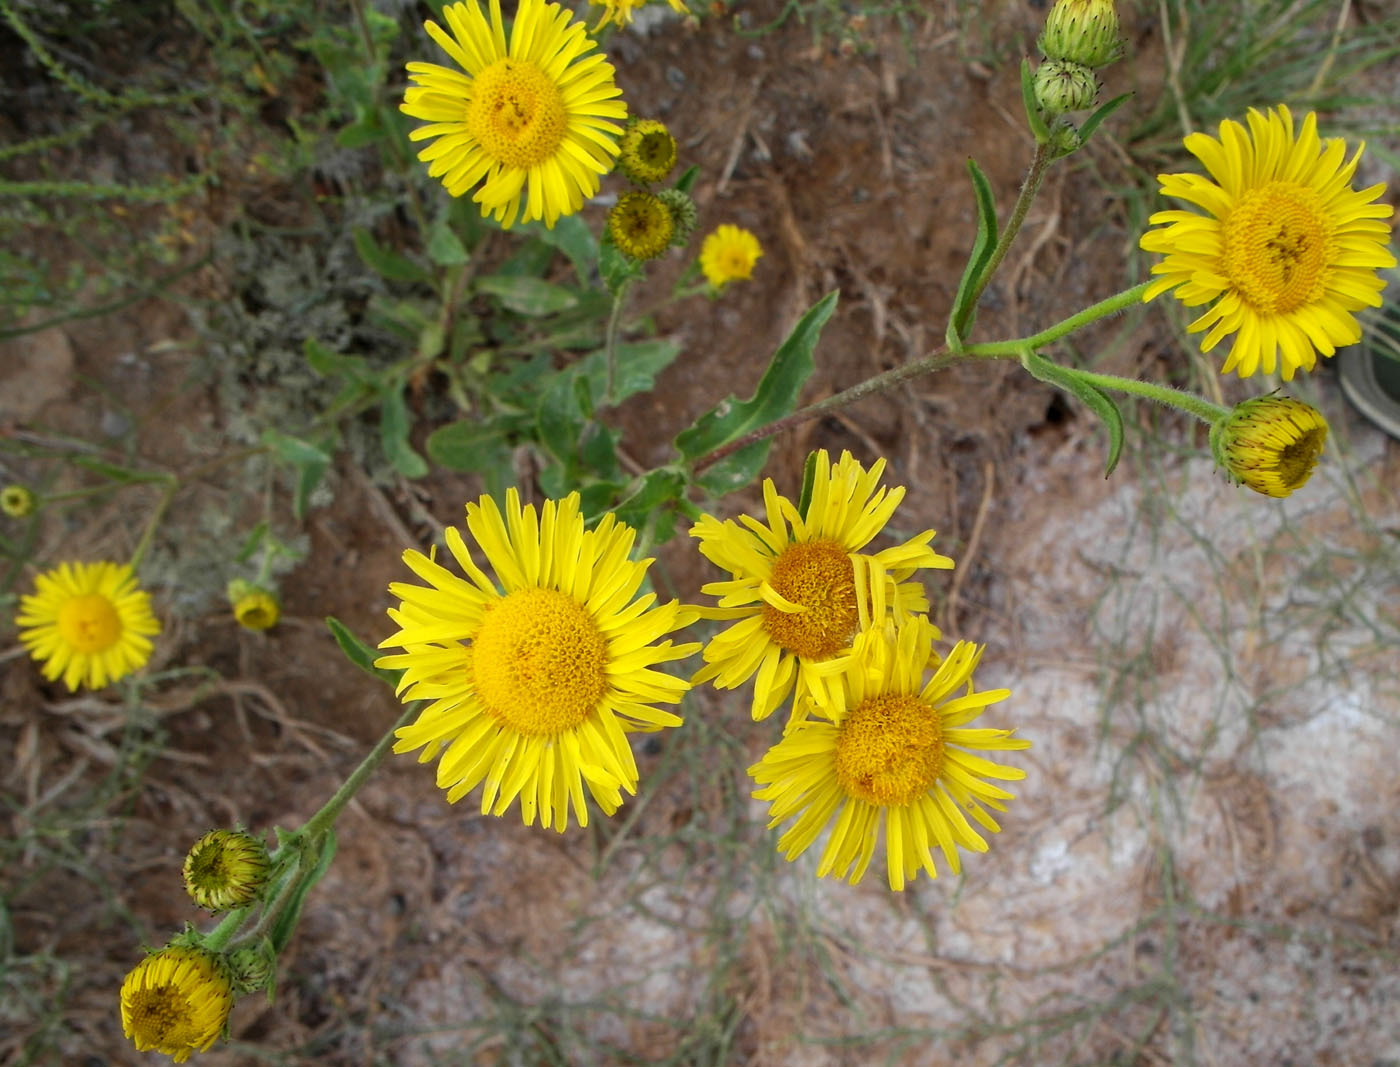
x,y
818,579
889,750
1278,243
176,1001
89,623
516,113
538,662
641,225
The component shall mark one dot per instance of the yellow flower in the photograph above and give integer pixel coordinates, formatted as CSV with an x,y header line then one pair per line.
x,y
648,151
226,869
802,594
641,225
176,1001
531,122
619,12
1287,249
254,607
1270,443
897,754
17,501
729,254
88,623
533,686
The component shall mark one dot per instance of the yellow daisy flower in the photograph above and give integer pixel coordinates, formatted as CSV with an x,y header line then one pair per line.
x,y
533,686
802,588
532,122
1270,443
88,623
897,754
619,12
1287,249
176,1001
729,254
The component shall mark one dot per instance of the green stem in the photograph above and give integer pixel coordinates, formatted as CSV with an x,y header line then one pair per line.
x,y
1012,349
614,321
172,485
1163,394
1035,175
321,823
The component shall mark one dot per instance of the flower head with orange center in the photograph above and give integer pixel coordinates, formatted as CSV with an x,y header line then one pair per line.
x,y
897,754
533,684
535,123
1286,251
88,623
801,588
176,1001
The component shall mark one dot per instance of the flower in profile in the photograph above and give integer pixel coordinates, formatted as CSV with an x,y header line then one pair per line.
x,y
729,254
88,623
619,12
254,608
1269,443
534,123
641,225
800,586
897,754
1287,249
176,1001
533,685
17,501
226,869
648,151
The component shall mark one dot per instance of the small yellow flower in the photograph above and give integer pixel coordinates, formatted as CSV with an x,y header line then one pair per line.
x,y
897,755
801,588
88,623
728,255
254,607
535,122
1287,249
176,1001
641,225
17,501
648,151
226,869
533,685
1270,443
619,12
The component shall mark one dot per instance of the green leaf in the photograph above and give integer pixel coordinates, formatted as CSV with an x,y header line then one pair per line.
x,y
775,396
1034,119
1092,122
687,180
445,248
638,364
735,471
329,363
1094,398
467,445
655,489
528,296
964,311
116,473
386,262
286,923
359,653
809,479
616,268
558,420
306,459
571,236
393,435
252,542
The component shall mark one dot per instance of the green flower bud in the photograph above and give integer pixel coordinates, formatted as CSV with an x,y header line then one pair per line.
x,y
1083,32
1062,86
226,869
683,214
1269,443
252,967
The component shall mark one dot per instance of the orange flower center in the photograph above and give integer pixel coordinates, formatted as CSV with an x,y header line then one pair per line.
x,y
516,113
889,750
818,577
539,662
1278,245
89,623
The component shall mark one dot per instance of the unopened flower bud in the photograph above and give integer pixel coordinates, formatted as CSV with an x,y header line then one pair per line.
x,y
683,214
1062,86
254,607
1082,31
226,869
252,967
1269,443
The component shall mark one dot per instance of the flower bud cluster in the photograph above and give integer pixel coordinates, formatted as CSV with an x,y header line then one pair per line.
x,y
1079,37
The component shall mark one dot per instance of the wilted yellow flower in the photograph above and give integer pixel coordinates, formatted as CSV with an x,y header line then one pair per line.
x,y
729,254
648,151
533,686
176,1001
800,586
535,122
1287,249
1270,443
897,755
254,607
226,869
641,225
88,623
